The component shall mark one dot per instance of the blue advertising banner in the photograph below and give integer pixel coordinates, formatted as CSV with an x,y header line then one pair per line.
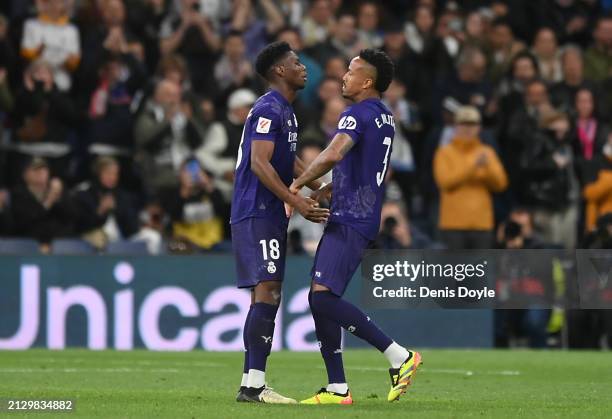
x,y
181,303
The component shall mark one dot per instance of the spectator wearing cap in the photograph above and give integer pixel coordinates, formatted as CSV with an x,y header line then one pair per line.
x,y
106,213
51,37
41,208
220,147
165,133
467,173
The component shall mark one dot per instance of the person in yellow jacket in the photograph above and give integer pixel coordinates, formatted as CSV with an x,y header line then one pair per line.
x,y
598,194
467,173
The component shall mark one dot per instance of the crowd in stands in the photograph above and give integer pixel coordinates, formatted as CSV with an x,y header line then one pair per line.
x,y
122,119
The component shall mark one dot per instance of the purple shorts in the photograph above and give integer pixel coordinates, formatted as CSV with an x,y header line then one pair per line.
x,y
260,246
339,254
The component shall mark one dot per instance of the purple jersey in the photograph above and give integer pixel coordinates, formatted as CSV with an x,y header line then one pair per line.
x,y
270,119
358,179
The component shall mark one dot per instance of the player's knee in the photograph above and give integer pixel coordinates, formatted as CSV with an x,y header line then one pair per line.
x,y
268,292
320,301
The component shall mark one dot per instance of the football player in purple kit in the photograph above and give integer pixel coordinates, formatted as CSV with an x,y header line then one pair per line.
x,y
359,155
266,165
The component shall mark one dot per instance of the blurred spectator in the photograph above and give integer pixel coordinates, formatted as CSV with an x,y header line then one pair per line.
x,y
522,124
190,33
8,58
165,134
343,41
407,68
546,51
43,117
368,22
257,32
309,233
111,34
396,232
6,223
550,185
195,207
407,124
598,194
511,89
476,30
329,88
467,86
110,121
598,58
467,172
233,69
419,32
6,99
152,225
41,208
335,68
523,282
220,148
503,48
52,37
318,23
529,238
591,133
106,213
563,93
307,96
321,132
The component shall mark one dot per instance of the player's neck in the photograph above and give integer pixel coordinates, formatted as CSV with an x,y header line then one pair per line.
x,y
366,94
285,91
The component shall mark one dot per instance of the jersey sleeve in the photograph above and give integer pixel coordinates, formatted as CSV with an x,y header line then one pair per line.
x,y
352,123
265,124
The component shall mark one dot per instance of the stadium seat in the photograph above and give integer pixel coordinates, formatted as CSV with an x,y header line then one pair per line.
x,y
72,247
19,247
127,248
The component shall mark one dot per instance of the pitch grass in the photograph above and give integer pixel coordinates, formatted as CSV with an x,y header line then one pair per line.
x,y
451,384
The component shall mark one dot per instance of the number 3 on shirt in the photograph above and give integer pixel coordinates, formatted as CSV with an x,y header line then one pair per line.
x,y
380,176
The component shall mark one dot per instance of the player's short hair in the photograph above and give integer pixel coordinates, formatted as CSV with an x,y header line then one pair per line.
x,y
383,65
270,56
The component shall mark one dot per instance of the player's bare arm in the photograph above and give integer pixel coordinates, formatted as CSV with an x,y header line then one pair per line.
x,y
299,167
261,154
325,161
